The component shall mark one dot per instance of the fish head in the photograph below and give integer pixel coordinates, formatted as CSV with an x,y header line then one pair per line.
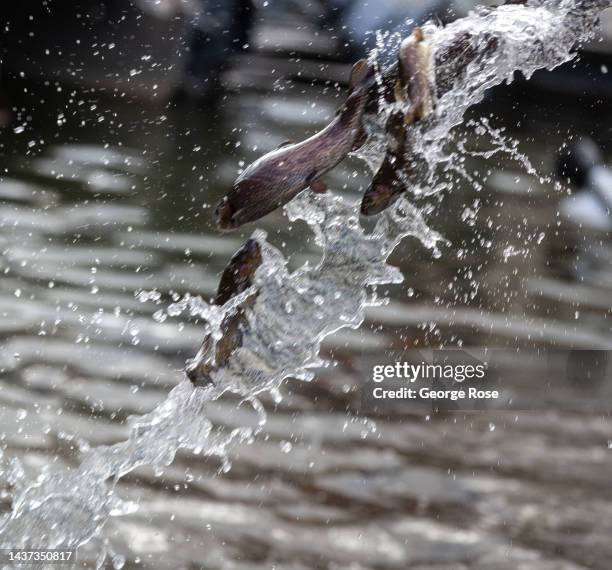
x,y
264,186
241,204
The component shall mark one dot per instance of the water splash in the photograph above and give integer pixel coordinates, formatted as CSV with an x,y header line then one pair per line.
x,y
291,312
507,40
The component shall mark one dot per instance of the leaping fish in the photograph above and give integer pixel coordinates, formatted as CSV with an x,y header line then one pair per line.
x,y
276,178
412,91
237,277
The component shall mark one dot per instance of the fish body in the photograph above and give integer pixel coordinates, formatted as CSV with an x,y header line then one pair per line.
x,y
413,81
237,277
238,274
276,178
412,91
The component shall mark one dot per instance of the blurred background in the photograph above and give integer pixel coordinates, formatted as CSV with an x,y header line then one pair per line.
x,y
123,122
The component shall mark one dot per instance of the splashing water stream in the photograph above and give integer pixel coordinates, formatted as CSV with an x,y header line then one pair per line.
x,y
291,312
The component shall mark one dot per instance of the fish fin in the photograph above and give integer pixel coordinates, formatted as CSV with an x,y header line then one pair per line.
x,y
285,143
360,139
359,73
318,186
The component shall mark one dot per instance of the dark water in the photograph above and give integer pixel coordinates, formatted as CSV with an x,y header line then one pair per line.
x,y
101,198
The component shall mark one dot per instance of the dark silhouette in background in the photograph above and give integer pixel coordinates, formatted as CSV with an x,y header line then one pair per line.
x,y
220,29
171,50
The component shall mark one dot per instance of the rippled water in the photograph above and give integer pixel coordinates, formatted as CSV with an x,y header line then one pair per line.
x,y
84,230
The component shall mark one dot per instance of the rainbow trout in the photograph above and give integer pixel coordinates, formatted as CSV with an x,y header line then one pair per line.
x,y
276,178
411,92
237,277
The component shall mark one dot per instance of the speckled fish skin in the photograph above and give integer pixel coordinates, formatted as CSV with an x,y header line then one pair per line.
x,y
276,178
388,183
237,277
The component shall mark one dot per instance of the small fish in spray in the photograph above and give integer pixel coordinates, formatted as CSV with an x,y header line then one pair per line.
x,y
237,277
